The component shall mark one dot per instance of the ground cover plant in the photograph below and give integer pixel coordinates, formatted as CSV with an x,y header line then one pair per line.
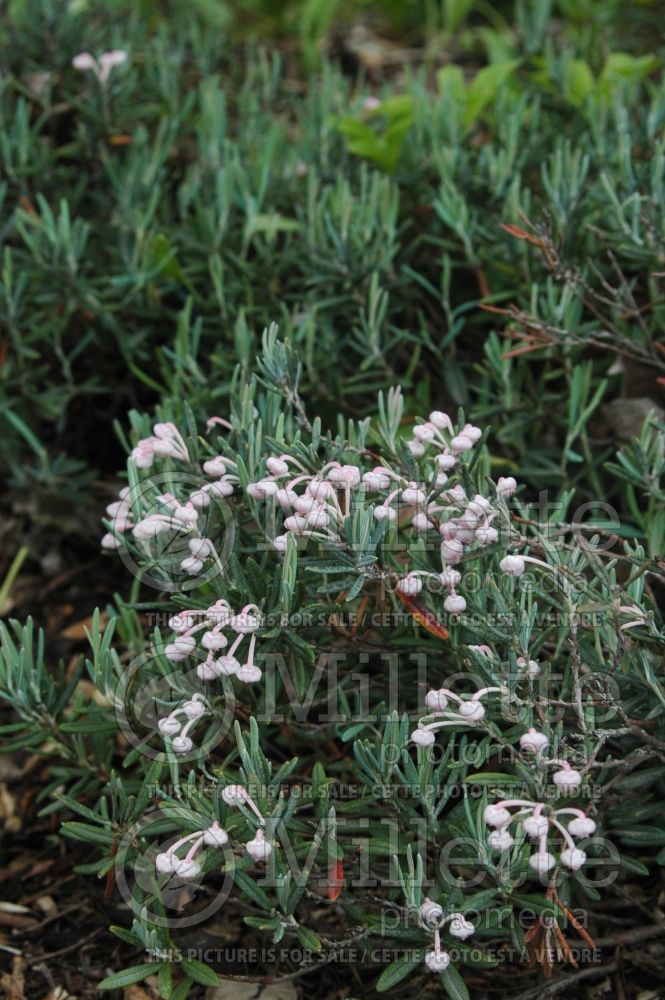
x,y
347,323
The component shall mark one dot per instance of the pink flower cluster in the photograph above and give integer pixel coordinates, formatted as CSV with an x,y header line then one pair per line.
x,y
188,868
431,915
174,515
310,502
209,627
539,821
464,713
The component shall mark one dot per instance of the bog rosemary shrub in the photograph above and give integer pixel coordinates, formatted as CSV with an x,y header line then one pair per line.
x,y
487,674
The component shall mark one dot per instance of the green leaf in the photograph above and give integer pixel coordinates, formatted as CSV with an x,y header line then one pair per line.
x,y
454,984
494,778
308,939
90,834
634,866
484,87
247,884
398,970
134,974
579,82
450,81
199,972
125,935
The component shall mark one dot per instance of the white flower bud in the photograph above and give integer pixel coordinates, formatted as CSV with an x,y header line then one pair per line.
x,y
542,861
424,433
461,443
496,816
506,486
191,566
148,528
486,534
265,488
233,795
430,912
169,726
194,708
473,711
187,869
572,858
318,517
437,961
199,499
512,565
258,848
222,488
531,667
567,779
179,622
228,665
460,927
450,577
412,496
296,524
454,604
377,479
208,670
186,514
533,741
215,467
535,826
480,504
109,541
382,513
455,495
345,475
213,640
451,551
286,499
474,434
277,466
468,520
446,461
164,430
423,737
143,457
436,700
280,542
181,647
182,744
215,836
249,673
165,863
165,449
500,840
417,448
410,585
201,548
304,504
319,489
582,826
441,420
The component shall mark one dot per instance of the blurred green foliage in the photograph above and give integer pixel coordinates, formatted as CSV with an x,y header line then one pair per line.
x,y
151,228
